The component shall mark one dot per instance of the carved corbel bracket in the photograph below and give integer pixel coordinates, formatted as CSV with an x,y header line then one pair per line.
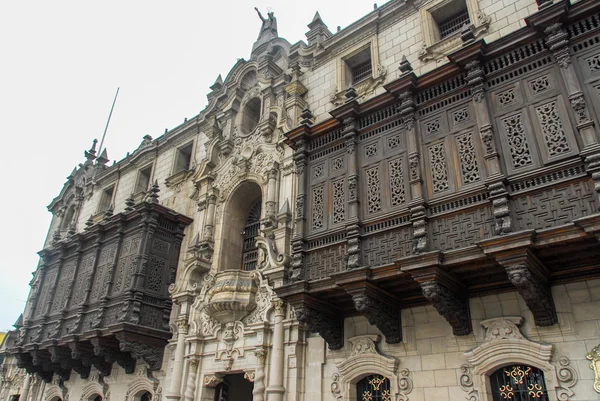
x,y
151,354
213,380
108,350
379,307
443,290
526,272
320,317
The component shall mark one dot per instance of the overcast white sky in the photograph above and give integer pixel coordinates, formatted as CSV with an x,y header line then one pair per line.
x,y
60,65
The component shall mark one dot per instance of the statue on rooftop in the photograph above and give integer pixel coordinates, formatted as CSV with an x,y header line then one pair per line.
x,y
268,30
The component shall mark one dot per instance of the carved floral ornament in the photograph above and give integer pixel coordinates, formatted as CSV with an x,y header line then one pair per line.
x,y
365,360
504,345
594,357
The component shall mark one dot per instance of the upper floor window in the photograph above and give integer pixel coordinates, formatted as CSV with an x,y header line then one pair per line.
x,y
451,17
373,388
106,198
359,66
250,250
143,179
183,158
146,396
518,383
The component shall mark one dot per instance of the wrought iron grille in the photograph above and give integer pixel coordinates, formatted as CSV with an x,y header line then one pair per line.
x,y
361,71
250,255
454,23
373,388
518,383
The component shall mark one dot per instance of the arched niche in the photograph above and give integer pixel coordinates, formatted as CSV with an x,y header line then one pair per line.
x,y
505,345
250,115
365,360
235,215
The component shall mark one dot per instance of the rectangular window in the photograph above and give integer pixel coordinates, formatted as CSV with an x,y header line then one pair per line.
x,y
184,158
106,198
451,18
143,180
359,66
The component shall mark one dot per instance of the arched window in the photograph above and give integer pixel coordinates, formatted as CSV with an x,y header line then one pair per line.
x,y
250,251
146,396
68,218
518,383
373,388
97,398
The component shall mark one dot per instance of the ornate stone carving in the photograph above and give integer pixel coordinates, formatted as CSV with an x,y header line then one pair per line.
x,y
535,293
454,309
336,388
567,378
594,357
353,188
329,327
405,384
212,381
466,383
383,315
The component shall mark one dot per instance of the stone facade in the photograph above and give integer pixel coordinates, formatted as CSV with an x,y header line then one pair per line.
x,y
406,209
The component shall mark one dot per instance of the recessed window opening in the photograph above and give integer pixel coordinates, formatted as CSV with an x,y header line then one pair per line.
x,y
250,115
106,198
146,396
451,18
143,179
373,388
15,397
184,158
518,383
96,398
360,66
250,250
68,218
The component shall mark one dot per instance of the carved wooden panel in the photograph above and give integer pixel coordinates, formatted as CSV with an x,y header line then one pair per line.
x,y
461,229
46,291
384,248
65,282
321,263
84,276
101,279
591,77
554,206
126,264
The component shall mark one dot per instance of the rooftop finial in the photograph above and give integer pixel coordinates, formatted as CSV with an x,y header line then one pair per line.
x,y
90,155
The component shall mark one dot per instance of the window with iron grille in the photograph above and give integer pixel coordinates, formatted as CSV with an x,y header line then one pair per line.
x,y
454,23
373,388
518,383
358,67
250,255
361,71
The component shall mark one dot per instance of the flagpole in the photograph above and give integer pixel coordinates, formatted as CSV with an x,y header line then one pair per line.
x,y
108,122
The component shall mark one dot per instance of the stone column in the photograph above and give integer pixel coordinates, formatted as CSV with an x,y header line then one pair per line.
x,y
190,390
209,224
496,178
258,393
174,392
271,203
275,390
25,389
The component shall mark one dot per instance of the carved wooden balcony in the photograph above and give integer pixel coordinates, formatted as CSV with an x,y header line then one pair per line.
x,y
102,296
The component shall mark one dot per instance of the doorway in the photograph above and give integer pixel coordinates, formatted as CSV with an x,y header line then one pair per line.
x,y
234,388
